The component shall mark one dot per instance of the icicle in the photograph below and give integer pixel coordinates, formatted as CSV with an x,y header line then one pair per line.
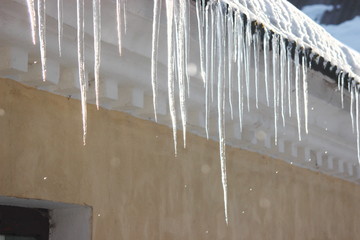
x,y
289,67
256,64
118,24
60,23
212,54
207,66
125,22
297,90
154,52
81,63
305,92
275,52
97,45
282,78
247,49
180,67
357,123
42,35
240,57
235,35
352,106
221,105
266,50
170,47
342,89
230,38
32,17
201,37
339,80
187,48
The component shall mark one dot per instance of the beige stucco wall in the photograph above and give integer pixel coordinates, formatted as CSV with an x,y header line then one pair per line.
x,y
128,173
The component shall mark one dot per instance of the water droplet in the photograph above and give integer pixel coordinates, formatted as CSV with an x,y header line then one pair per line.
x,y
312,108
291,163
309,160
326,152
260,135
250,189
45,178
99,215
205,169
206,231
243,212
277,172
192,69
185,186
264,203
326,129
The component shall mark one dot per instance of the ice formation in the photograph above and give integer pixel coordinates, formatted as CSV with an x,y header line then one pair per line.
x,y
233,35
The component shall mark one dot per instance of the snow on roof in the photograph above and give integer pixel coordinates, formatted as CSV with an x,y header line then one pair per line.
x,y
283,18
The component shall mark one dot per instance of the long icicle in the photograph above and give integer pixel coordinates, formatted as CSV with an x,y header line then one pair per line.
x,y
154,52
240,60
266,68
230,38
170,47
212,54
42,35
305,92
207,73
221,104
256,66
342,89
289,67
124,16
118,25
181,64
297,90
351,87
357,122
60,23
187,47
81,63
275,52
32,17
97,46
199,15
282,78
247,49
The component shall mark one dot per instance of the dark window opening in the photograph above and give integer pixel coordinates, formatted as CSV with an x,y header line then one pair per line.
x,y
18,223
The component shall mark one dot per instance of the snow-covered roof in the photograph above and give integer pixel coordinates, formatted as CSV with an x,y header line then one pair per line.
x,y
285,19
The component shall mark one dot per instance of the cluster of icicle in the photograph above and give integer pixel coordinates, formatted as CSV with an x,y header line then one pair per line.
x,y
230,43
37,16
227,40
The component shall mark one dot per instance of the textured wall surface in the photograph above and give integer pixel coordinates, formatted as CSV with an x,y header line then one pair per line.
x,y
138,190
